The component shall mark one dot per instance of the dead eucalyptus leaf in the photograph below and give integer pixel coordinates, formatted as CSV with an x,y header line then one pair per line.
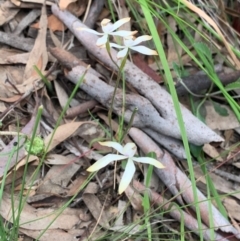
x,y
39,219
38,55
62,133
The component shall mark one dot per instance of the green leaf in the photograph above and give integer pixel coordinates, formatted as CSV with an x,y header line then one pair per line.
x,y
123,164
44,79
233,86
195,150
219,109
203,48
180,72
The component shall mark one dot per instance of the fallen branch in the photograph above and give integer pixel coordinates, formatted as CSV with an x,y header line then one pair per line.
x,y
180,186
157,200
197,83
164,112
12,40
146,118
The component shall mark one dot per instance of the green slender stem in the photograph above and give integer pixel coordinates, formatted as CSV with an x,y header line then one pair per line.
x,y
23,200
120,70
129,123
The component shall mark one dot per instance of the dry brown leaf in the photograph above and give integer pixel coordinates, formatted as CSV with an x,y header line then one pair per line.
x,y
95,206
82,150
8,56
16,2
14,176
120,212
58,178
76,185
55,24
17,155
55,40
25,160
124,13
6,12
233,207
56,159
135,198
16,75
18,59
11,99
62,133
49,3
236,164
218,122
220,183
51,110
173,53
3,107
212,152
39,219
21,164
78,8
13,75
38,55
61,94
52,235
30,180
63,4
91,131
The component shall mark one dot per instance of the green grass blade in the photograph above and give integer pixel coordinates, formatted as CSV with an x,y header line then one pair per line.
x,y
158,44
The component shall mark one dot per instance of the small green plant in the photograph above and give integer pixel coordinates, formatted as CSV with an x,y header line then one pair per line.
x,y
37,147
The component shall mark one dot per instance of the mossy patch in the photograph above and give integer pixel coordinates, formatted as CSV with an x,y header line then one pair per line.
x,y
37,147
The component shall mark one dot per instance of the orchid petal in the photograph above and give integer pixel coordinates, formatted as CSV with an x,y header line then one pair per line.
x,y
141,39
122,53
105,21
128,42
102,46
129,150
113,144
104,161
103,40
116,46
127,176
90,31
106,26
144,50
148,160
119,23
123,33
107,29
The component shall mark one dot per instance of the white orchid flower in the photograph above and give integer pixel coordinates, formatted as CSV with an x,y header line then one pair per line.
x,y
108,29
128,151
130,43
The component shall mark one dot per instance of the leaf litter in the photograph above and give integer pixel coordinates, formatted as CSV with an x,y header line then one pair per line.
x,y
94,209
